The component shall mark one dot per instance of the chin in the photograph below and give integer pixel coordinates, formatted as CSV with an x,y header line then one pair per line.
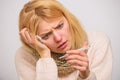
x,y
59,52
63,51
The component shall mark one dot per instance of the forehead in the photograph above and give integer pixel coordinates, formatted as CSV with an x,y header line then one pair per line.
x,y
48,24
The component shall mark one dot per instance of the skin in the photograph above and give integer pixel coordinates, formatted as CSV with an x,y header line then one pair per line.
x,y
56,37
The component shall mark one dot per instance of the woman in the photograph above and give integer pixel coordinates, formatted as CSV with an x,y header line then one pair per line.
x,y
48,32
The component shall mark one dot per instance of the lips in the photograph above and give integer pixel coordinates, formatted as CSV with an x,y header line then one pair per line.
x,y
63,45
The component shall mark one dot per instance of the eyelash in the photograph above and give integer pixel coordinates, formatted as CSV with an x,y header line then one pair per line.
x,y
46,36
60,26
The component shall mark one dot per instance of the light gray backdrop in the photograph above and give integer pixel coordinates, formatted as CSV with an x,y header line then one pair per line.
x,y
98,15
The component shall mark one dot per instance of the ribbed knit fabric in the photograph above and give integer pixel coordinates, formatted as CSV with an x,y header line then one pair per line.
x,y
100,62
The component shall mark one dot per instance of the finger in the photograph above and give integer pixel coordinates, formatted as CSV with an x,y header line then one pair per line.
x,y
83,53
73,52
23,30
40,39
25,36
30,41
22,35
28,36
37,42
77,52
79,68
78,62
85,47
78,57
85,44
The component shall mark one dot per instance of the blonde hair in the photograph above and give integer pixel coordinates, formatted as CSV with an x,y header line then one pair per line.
x,y
36,10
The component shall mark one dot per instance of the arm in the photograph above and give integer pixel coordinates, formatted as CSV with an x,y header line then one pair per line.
x,y
46,69
25,65
100,58
101,65
29,69
79,60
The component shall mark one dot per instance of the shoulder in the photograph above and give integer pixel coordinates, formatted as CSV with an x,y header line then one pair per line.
x,y
100,37
23,53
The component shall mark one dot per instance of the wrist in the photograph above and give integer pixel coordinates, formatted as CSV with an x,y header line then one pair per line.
x,y
45,54
84,74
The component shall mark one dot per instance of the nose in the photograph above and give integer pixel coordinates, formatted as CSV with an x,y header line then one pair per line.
x,y
57,36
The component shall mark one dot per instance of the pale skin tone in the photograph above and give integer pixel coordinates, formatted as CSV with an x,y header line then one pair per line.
x,y
56,37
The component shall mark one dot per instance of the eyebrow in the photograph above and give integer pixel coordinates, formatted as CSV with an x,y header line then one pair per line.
x,y
58,23
49,31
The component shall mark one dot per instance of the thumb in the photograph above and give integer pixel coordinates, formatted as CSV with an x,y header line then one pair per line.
x,y
85,44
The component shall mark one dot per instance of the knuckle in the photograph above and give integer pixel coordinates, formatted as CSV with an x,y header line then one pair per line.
x,y
86,64
31,42
84,69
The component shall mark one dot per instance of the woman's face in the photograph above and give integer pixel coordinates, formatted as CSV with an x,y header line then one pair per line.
x,y
56,34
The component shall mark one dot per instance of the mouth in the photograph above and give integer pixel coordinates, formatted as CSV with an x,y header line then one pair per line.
x,y
63,45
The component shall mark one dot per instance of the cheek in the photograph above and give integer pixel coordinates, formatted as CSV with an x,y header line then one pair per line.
x,y
49,44
66,31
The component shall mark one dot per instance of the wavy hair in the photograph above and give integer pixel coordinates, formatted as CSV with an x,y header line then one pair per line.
x,y
36,10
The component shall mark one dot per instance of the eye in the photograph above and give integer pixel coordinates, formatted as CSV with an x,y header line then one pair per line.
x,y
46,36
60,26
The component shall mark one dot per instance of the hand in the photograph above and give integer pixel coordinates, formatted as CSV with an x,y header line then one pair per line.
x,y
34,43
79,60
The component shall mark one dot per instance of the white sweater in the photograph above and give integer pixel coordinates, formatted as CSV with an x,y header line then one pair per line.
x,y
100,62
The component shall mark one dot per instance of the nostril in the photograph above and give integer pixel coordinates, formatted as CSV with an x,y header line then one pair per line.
x,y
58,38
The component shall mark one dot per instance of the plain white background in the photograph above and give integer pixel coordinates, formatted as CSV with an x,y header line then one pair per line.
x,y
98,15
